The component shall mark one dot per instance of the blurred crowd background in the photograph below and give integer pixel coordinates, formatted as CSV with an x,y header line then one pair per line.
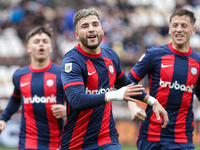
x,y
131,26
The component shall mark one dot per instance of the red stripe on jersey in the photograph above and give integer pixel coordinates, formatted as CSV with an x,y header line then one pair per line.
x,y
135,75
166,74
111,71
180,126
31,128
80,129
49,90
104,137
73,83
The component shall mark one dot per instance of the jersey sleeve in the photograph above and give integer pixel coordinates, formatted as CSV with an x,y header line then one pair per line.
x,y
73,84
143,67
14,102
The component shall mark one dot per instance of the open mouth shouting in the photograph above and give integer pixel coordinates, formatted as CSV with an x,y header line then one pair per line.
x,y
92,36
41,50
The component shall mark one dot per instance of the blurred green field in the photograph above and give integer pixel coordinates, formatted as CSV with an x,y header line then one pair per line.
x,y
124,147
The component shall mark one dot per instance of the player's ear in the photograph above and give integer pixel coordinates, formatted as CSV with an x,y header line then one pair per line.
x,y
169,32
76,35
28,48
194,30
103,30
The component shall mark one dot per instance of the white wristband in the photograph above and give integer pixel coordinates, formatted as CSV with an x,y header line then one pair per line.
x,y
151,100
117,95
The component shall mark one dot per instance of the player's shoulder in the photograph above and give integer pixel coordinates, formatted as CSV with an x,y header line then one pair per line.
x,y
22,71
73,55
73,52
108,50
159,48
109,53
195,55
156,51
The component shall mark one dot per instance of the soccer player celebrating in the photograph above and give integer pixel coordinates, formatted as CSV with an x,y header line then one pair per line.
x,y
88,74
173,71
38,88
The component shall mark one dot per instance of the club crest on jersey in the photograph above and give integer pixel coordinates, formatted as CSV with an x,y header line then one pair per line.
x,y
111,69
193,70
50,83
68,67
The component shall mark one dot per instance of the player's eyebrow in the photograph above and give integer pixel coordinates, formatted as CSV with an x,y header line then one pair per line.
x,y
94,22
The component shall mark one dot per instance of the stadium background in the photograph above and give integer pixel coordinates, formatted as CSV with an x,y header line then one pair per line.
x,y
131,26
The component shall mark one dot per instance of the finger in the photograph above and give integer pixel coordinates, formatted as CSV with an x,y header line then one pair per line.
x,y
138,119
166,120
142,114
132,94
130,99
56,115
54,107
133,90
135,87
130,85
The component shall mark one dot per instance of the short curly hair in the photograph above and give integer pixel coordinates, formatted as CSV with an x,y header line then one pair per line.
x,y
84,13
182,12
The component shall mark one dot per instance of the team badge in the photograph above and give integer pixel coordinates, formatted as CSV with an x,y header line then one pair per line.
x,y
193,70
50,83
111,69
68,67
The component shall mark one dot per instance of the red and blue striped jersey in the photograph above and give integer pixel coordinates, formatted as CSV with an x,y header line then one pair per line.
x,y
173,78
36,91
85,78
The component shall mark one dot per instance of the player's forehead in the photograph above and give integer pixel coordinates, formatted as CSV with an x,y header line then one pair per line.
x,y
181,19
88,19
39,36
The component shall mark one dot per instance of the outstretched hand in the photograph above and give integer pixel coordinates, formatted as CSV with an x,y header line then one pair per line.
x,y
58,110
132,90
124,93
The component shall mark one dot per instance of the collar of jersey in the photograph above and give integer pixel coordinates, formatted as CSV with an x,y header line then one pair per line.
x,y
41,70
177,52
87,54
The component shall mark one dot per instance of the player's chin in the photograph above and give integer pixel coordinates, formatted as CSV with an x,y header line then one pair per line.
x,y
93,46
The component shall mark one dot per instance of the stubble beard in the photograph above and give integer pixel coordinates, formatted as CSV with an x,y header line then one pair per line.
x,y
93,46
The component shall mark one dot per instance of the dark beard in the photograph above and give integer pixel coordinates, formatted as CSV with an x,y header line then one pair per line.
x,y
85,43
